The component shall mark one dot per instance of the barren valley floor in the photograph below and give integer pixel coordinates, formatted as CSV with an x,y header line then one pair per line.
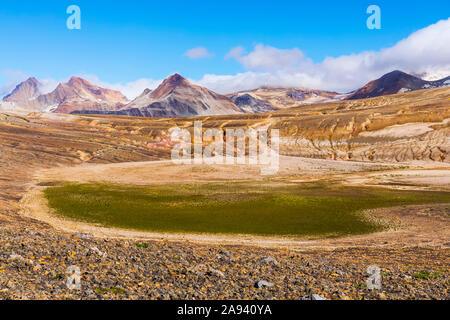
x,y
398,143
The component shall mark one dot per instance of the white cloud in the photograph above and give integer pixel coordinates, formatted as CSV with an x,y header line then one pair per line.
x,y
425,52
130,89
198,53
269,58
15,77
250,80
47,85
235,53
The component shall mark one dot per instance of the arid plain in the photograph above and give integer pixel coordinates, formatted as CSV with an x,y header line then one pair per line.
x,y
397,142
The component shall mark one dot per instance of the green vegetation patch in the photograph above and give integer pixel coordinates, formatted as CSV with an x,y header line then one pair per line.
x,y
114,290
426,275
265,208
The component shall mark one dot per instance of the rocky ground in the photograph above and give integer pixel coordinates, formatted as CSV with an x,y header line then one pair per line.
x,y
34,265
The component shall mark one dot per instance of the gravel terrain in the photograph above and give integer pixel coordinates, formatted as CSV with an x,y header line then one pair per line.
x,y
34,265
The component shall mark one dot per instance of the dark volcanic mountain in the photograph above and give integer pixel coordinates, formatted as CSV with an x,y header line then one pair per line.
x,y
177,97
395,82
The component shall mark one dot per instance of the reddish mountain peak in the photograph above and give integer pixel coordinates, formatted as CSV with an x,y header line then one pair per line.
x,y
169,85
176,79
77,81
24,91
32,80
79,94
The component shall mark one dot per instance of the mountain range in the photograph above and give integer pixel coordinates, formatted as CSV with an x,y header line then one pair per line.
x,y
75,95
177,97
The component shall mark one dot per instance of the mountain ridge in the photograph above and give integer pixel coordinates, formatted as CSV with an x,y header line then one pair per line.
x,y
76,94
178,97
24,93
395,82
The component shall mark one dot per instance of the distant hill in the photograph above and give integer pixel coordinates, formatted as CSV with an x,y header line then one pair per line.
x,y
396,82
280,98
250,103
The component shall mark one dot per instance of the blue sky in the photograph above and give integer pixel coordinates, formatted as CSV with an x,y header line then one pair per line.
x,y
122,41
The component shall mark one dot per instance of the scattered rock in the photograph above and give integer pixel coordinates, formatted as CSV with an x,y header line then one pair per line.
x,y
16,257
215,272
37,268
83,235
382,296
91,294
267,260
97,251
225,253
152,273
11,285
263,284
314,297
200,270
